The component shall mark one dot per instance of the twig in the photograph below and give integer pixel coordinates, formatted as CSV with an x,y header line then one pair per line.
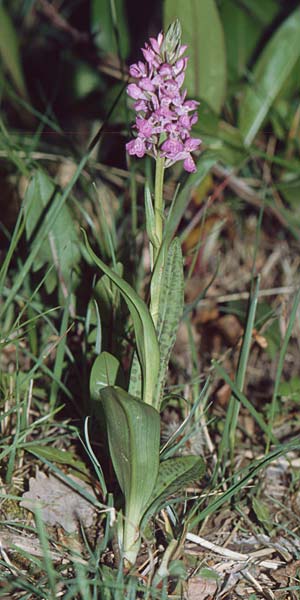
x,y
267,564
60,23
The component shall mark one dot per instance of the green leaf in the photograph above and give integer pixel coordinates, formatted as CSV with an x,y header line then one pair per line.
x,y
170,311
262,512
146,341
9,51
107,296
262,13
174,475
244,24
133,430
109,24
56,455
269,76
202,32
61,245
105,372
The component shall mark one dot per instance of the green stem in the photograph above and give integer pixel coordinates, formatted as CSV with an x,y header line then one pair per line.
x,y
158,204
158,259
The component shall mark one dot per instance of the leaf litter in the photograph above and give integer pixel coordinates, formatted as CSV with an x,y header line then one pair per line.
x,y
58,502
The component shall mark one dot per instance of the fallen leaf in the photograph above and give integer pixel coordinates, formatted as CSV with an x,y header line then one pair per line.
x,y
200,588
58,502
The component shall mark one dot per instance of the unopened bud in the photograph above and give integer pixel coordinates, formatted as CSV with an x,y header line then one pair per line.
x,y
172,43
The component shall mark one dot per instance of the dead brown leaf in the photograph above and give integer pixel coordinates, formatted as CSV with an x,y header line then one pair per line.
x,y
200,588
58,502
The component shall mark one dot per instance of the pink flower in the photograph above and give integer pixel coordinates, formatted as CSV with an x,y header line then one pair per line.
x,y
136,147
171,148
135,92
164,117
189,164
144,126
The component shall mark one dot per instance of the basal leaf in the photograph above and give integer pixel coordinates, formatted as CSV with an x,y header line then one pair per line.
x,y
170,310
202,32
146,341
133,430
107,296
269,76
174,475
105,371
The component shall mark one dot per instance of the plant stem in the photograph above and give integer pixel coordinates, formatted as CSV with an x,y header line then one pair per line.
x,y
158,204
158,259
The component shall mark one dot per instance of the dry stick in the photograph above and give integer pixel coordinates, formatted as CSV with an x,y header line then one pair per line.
x,y
288,289
61,23
14,541
196,539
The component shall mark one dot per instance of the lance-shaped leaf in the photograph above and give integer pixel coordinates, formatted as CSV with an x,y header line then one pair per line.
x,y
133,430
169,311
105,371
174,475
146,341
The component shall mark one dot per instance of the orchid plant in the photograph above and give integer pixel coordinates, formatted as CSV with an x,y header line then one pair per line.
x,y
164,118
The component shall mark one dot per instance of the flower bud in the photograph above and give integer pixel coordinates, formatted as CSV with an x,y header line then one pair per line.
x,y
172,43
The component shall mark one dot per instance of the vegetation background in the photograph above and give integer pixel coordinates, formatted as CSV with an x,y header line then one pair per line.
x,y
234,385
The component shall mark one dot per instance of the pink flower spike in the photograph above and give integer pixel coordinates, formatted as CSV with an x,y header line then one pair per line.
x,y
162,111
